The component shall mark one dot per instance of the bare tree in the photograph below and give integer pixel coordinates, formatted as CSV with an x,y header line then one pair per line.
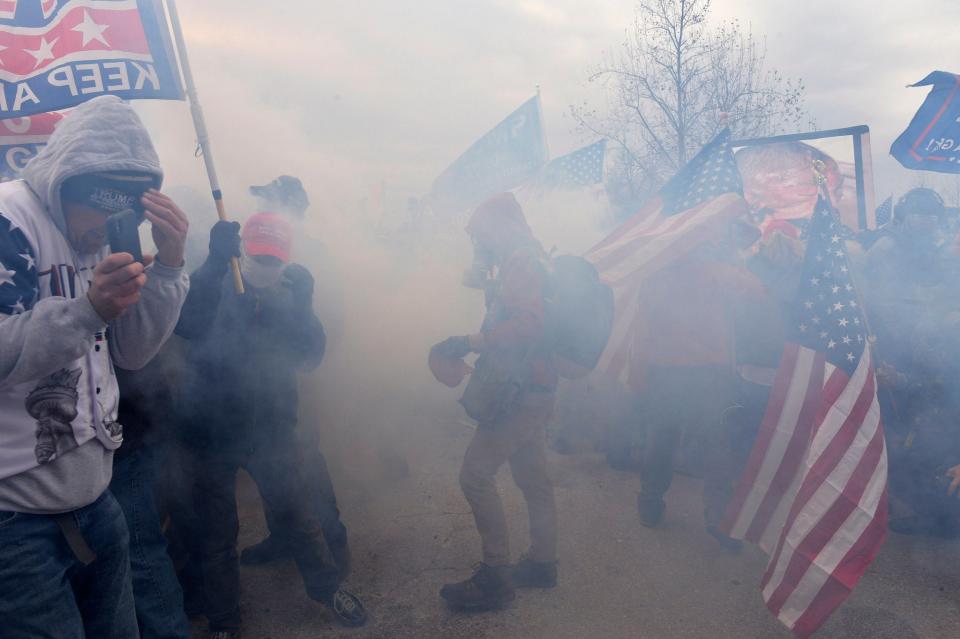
x,y
675,83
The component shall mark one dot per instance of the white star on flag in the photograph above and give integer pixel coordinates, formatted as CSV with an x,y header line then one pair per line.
x,y
91,30
6,275
44,53
18,307
29,260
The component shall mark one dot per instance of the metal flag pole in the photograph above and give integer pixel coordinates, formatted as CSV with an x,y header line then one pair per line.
x,y
203,139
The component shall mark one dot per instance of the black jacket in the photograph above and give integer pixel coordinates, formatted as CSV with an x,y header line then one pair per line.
x,y
244,353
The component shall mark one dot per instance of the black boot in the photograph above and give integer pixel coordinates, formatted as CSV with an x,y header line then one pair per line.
x,y
651,510
348,608
268,550
488,589
528,573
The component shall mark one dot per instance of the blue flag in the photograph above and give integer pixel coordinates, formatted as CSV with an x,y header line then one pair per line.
x,y
932,141
499,161
574,170
56,54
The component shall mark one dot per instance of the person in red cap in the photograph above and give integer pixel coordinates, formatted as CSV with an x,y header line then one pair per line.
x,y
239,398
509,264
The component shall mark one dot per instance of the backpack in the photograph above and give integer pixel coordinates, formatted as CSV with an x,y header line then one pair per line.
x,y
579,315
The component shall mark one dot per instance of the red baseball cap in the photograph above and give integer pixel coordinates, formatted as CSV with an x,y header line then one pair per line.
x,y
267,234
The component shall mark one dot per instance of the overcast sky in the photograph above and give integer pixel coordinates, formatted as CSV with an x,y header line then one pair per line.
x,y
352,94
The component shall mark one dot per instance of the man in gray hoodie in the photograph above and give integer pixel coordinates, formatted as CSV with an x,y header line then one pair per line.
x,y
69,312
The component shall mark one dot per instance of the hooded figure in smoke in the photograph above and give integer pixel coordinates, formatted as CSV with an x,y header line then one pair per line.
x,y
240,410
70,311
511,394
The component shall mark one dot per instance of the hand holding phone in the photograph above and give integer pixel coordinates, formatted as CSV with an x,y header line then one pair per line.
x,y
123,233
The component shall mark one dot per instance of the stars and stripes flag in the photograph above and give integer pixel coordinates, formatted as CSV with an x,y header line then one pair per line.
x,y
708,191
55,54
578,169
814,492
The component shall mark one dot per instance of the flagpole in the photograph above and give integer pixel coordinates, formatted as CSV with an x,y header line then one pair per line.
x,y
203,139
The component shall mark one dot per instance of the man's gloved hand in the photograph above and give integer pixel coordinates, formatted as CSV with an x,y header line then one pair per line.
x,y
455,347
300,283
224,241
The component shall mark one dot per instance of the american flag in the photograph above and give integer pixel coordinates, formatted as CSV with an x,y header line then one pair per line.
x,y
580,168
704,194
814,492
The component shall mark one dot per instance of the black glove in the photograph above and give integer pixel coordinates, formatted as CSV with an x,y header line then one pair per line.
x,y
455,347
300,283
224,241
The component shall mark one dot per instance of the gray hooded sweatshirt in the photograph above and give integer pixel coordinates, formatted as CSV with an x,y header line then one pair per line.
x,y
58,391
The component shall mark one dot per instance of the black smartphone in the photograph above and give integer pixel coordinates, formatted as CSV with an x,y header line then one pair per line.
x,y
122,231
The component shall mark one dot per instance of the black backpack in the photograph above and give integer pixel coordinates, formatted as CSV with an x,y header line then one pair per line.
x,y
579,315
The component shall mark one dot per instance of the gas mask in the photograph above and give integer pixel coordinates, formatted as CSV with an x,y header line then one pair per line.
x,y
482,268
257,274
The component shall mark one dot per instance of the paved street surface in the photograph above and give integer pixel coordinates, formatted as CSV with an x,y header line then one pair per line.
x,y
618,579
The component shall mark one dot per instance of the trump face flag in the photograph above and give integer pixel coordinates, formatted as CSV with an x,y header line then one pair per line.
x,y
706,193
814,492
58,53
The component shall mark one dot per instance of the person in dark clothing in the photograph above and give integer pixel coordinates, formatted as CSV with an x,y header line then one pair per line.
x,y
240,402
286,196
145,400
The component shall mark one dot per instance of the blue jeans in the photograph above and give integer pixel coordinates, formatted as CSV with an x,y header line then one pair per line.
x,y
47,593
156,591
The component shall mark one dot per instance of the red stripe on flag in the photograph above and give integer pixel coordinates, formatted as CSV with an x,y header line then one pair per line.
x,y
651,208
792,458
817,471
832,521
835,592
781,385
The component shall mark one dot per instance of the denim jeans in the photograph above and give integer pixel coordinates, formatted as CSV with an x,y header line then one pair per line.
x,y
47,593
156,591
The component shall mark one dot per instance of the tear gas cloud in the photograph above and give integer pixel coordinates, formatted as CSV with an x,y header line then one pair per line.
x,y
367,102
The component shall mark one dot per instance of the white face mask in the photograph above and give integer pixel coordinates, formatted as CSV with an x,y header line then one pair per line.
x,y
259,275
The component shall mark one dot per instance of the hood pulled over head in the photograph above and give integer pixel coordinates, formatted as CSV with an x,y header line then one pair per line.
x,y
103,135
498,225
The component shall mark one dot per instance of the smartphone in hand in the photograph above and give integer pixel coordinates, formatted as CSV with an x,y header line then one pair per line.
x,y
123,233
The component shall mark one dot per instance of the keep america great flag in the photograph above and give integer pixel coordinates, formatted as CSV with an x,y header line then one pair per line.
x,y
55,54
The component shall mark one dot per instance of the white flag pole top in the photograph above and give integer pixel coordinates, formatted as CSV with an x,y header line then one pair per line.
x,y
203,139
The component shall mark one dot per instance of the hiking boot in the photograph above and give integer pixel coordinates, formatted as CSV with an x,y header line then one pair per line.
x,y
268,550
528,573
651,510
347,608
224,634
488,589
